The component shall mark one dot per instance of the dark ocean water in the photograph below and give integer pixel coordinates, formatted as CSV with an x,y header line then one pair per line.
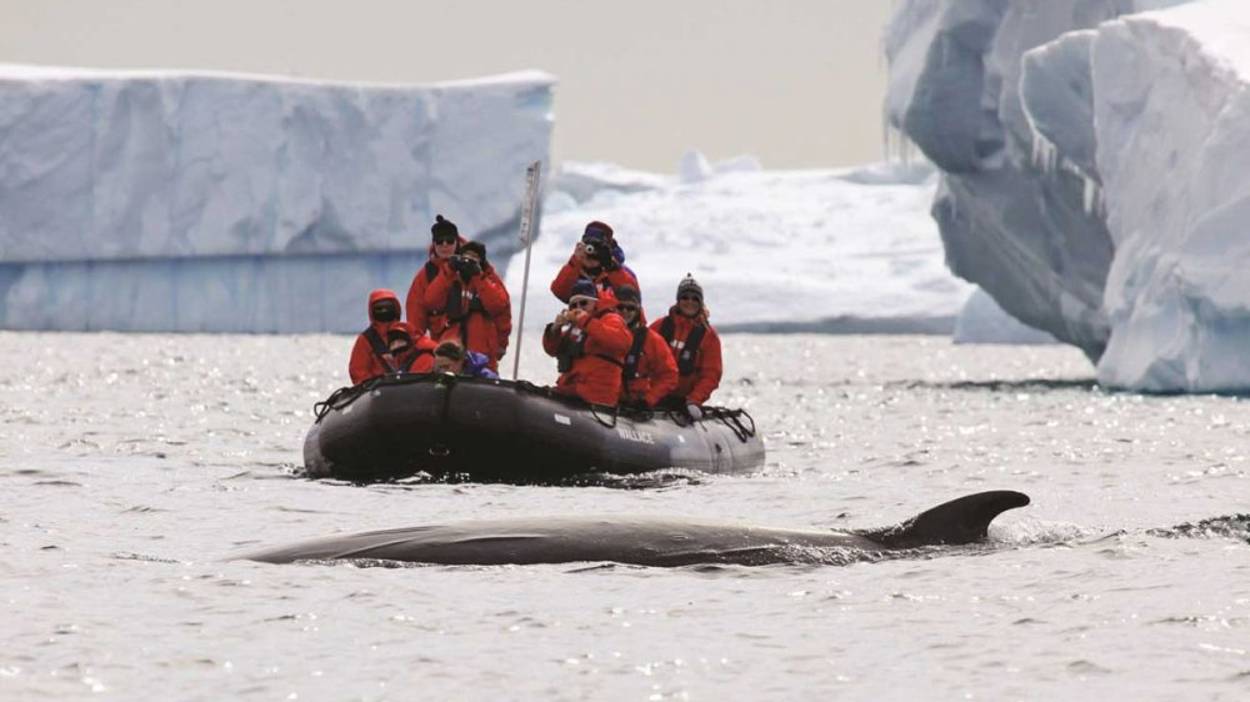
x,y
132,467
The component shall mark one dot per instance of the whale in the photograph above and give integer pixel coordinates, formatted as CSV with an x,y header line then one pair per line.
x,y
650,541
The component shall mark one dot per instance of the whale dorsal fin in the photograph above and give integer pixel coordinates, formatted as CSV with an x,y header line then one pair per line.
x,y
960,521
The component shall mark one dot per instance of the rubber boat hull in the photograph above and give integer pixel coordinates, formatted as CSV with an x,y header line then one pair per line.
x,y
496,430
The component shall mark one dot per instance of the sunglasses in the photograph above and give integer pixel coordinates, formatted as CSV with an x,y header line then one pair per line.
x,y
581,304
444,240
692,298
626,307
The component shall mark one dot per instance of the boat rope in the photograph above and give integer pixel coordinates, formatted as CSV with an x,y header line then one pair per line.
x,y
594,412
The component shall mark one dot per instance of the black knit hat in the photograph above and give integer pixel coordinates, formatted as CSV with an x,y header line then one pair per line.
x,y
444,227
689,285
628,293
476,247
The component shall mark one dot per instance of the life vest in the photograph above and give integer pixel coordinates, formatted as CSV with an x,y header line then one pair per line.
x,y
573,347
380,350
456,309
379,347
687,352
629,370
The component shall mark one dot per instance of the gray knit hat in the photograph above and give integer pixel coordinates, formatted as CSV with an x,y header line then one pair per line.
x,y
689,285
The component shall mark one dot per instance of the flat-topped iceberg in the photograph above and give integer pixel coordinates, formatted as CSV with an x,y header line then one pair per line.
x,y
184,201
1092,177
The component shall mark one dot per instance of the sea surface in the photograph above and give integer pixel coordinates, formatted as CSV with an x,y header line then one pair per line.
x,y
133,467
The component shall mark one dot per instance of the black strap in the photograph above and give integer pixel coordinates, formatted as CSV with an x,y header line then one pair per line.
x,y
454,306
685,360
379,347
431,271
407,366
690,350
667,328
635,354
456,310
609,359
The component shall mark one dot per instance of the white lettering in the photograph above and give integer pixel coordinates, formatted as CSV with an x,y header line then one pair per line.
x,y
640,437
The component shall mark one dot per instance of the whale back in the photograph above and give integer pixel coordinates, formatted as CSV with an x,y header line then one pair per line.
x,y
963,520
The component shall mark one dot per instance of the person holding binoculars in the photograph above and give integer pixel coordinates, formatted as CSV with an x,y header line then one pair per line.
x,y
467,302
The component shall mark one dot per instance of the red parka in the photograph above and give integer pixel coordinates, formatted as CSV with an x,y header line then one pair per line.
x,y
699,372
654,372
420,356
418,315
595,349
605,280
478,314
367,359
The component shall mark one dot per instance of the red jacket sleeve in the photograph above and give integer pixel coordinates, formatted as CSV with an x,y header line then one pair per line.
x,y
494,296
661,369
708,370
360,368
562,286
607,335
413,307
435,297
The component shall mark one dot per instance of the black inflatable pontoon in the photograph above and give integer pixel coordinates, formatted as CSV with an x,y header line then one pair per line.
x,y
469,428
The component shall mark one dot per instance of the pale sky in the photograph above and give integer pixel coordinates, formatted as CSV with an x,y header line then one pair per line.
x,y
797,83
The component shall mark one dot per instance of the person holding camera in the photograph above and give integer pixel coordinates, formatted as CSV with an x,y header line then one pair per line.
x,y
446,240
589,340
597,258
650,373
388,345
695,346
467,302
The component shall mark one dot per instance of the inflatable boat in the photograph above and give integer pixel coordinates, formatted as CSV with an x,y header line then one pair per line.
x,y
455,427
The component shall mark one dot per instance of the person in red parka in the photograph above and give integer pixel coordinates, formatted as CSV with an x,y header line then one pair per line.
x,y
597,259
695,347
409,355
370,354
650,373
590,340
446,241
472,304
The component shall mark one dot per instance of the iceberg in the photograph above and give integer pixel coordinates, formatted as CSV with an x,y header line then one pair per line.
x,y
1090,182
982,321
850,250
184,201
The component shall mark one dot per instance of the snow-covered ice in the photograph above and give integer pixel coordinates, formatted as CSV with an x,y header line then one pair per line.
x,y
822,250
1092,178
184,201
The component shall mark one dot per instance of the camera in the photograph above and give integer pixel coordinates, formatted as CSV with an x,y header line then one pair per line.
x,y
598,251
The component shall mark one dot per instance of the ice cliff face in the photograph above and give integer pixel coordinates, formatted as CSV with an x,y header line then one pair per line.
x,y
1172,116
206,202
1085,157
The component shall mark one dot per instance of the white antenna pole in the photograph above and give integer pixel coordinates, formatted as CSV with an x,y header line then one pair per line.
x,y
528,208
